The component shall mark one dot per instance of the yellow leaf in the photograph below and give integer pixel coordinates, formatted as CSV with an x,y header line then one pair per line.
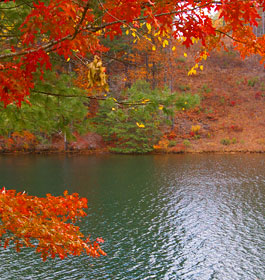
x,y
153,48
201,67
133,34
127,32
196,66
145,100
174,48
185,55
148,25
192,71
68,59
113,109
160,107
204,56
140,125
165,43
147,38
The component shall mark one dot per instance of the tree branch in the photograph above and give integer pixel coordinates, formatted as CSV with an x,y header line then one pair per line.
x,y
13,7
45,47
229,36
94,29
92,97
81,20
70,95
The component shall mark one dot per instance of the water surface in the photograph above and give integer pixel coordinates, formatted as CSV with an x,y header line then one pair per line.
x,y
163,217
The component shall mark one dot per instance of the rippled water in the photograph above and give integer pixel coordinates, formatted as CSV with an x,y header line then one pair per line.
x,y
163,217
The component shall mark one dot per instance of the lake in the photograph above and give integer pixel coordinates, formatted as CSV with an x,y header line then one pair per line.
x,y
196,217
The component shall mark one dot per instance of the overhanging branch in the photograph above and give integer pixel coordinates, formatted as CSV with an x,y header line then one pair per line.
x,y
125,103
92,29
69,95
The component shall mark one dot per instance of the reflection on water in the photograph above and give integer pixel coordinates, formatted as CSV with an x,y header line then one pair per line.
x,y
163,217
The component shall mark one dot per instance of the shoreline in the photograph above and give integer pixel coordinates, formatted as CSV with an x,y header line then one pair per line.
x,y
107,152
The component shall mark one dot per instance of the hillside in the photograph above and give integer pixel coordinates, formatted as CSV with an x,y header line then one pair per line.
x,y
230,117
232,111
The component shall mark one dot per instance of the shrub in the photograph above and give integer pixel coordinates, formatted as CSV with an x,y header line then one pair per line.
x,y
225,141
205,88
184,87
180,59
172,143
252,81
222,100
195,129
208,111
187,143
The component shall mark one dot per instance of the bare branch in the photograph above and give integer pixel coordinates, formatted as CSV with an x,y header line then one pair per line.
x,y
92,97
81,20
70,95
232,38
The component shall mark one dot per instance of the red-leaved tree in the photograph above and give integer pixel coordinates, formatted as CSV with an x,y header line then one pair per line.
x,y
74,27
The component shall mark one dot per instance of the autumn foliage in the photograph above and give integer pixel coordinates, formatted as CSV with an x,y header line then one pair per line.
x,y
46,224
39,32
75,28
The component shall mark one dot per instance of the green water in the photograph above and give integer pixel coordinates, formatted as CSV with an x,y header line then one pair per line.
x,y
162,217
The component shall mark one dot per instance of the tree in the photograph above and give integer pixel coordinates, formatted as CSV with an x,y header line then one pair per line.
x,y
32,31
134,124
154,63
49,112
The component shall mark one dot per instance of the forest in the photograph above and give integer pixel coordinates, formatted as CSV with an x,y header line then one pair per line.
x,y
122,76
